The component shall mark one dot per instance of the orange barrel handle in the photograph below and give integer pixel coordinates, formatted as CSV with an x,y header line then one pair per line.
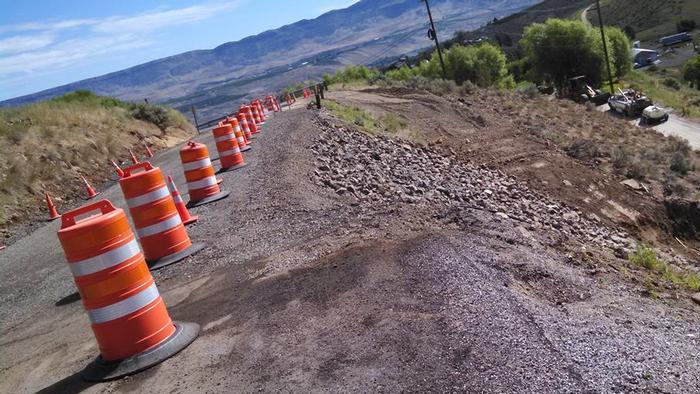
x,y
104,206
145,166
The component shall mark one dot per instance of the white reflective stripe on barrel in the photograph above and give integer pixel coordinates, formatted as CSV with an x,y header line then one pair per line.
x,y
230,152
195,165
177,198
202,183
227,137
148,198
105,260
124,307
237,129
159,227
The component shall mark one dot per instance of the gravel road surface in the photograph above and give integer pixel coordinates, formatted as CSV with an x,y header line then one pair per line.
x,y
303,289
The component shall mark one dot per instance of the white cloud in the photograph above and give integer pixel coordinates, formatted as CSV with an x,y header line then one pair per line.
x,y
155,20
45,47
67,53
18,44
49,26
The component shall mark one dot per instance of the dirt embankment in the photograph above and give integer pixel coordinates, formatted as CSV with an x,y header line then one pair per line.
x,y
559,148
47,146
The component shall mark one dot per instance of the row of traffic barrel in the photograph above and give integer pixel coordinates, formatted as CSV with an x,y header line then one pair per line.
x,y
111,264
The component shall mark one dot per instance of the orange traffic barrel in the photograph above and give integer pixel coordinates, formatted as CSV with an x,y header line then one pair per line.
x,y
230,154
128,317
160,230
242,144
200,176
246,129
248,113
258,114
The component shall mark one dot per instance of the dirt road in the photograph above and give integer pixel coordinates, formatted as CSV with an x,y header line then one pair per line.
x,y
306,289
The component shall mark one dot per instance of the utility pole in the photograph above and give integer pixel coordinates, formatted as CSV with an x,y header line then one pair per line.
x,y
605,47
434,36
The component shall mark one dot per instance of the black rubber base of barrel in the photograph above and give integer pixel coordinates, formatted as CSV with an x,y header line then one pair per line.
x,y
213,159
247,148
208,200
103,371
175,257
232,168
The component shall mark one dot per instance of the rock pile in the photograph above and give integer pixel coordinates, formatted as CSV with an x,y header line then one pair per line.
x,y
379,170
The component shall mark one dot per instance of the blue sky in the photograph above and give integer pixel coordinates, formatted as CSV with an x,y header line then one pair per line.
x,y
47,43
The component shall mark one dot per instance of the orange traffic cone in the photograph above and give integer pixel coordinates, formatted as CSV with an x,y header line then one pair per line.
x,y
185,216
133,158
149,152
90,191
53,212
120,172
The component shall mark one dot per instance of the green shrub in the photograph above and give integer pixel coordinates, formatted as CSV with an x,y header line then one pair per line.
x,y
672,83
645,256
680,163
691,71
619,157
583,149
152,114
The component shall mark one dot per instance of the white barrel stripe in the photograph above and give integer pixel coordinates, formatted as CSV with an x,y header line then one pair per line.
x,y
105,260
148,198
241,140
227,137
195,165
159,227
124,307
202,183
230,152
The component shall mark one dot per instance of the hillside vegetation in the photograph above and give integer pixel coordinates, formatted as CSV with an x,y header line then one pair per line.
x,y
48,145
650,19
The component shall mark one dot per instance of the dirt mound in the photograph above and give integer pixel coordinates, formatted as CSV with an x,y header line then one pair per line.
x,y
47,146
379,171
536,140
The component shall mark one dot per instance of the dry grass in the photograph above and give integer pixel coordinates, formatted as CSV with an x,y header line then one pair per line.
x,y
609,143
46,146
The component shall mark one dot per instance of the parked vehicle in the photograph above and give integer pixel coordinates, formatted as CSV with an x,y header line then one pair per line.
x,y
579,91
675,39
629,102
654,114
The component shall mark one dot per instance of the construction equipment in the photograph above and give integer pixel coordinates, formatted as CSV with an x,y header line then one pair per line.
x,y
629,102
580,91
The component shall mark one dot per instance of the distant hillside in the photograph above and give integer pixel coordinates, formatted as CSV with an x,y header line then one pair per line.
x,y
650,19
46,146
510,29
362,33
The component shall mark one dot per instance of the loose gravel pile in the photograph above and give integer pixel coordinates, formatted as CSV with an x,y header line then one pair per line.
x,y
380,170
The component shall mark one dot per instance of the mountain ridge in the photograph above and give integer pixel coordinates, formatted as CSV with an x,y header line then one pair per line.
x,y
186,74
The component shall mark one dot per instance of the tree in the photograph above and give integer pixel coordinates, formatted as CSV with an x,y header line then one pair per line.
x,y
631,33
484,65
691,71
620,51
560,49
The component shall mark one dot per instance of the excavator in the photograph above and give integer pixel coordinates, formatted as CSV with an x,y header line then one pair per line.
x,y
580,91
